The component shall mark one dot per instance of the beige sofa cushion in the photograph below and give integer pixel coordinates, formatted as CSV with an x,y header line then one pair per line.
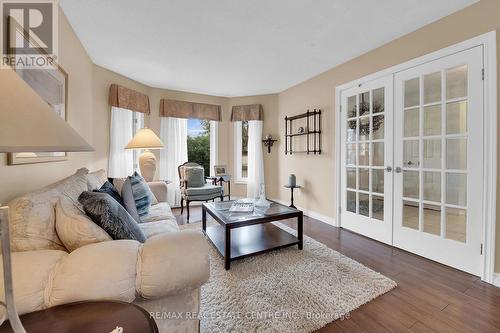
x,y
97,271
159,220
31,272
32,216
75,229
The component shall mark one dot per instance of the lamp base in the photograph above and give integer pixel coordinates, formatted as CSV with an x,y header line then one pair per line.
x,y
147,164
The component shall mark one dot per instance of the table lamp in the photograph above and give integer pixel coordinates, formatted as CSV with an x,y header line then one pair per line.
x,y
27,124
146,139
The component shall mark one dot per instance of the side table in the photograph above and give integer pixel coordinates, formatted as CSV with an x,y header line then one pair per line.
x,y
84,317
291,195
220,180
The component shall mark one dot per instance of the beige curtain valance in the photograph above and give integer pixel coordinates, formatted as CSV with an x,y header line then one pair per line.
x,y
247,112
122,97
183,109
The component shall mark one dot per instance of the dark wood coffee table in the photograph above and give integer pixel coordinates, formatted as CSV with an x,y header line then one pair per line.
x,y
240,235
92,316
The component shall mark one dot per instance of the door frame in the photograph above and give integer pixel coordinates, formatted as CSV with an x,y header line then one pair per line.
x,y
488,42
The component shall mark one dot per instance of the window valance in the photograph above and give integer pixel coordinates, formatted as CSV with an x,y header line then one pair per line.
x,y
122,97
247,112
183,109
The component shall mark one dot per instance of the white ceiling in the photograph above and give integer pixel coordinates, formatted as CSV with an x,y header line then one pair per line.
x,y
240,47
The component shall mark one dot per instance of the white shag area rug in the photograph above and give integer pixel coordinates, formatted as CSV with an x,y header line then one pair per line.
x,y
286,290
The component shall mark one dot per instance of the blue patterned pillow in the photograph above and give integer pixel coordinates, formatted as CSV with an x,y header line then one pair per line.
x,y
137,196
108,188
107,213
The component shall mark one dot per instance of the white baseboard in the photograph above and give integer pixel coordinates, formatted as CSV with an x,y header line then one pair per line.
x,y
310,213
496,279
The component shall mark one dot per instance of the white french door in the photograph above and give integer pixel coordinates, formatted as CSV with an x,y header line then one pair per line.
x,y
412,159
367,150
438,153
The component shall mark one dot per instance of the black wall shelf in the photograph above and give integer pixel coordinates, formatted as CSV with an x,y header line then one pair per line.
x,y
312,132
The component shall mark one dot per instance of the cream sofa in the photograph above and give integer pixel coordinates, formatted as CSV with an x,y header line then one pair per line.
x,y
163,275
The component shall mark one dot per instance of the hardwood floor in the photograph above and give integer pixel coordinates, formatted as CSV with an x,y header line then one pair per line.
x,y
430,297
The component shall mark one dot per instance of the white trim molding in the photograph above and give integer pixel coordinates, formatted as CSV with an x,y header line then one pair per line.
x,y
312,214
488,42
496,279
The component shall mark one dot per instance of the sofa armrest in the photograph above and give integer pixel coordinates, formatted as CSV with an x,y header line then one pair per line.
x,y
159,189
172,263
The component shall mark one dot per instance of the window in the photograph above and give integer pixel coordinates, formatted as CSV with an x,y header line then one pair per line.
x,y
137,124
198,143
241,150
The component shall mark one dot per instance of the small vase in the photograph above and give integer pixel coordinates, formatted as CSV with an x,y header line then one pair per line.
x,y
292,180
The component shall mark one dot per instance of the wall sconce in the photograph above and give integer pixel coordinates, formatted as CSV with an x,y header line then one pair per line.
x,y
268,142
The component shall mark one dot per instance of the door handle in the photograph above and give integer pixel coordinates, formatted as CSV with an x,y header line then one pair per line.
x,y
398,169
388,168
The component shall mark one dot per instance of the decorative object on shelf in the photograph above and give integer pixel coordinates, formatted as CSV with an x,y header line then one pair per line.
x,y
268,142
45,132
291,194
220,170
146,139
292,180
312,132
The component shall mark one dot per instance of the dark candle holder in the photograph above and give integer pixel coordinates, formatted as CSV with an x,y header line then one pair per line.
x,y
268,142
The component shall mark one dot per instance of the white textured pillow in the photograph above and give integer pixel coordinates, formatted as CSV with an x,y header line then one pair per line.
x,y
75,229
96,179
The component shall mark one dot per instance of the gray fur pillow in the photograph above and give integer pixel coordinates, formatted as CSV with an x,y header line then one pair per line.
x,y
107,213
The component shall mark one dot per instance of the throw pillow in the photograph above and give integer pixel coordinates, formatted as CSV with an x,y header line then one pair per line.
x,y
118,184
111,216
75,229
108,188
96,179
195,176
137,197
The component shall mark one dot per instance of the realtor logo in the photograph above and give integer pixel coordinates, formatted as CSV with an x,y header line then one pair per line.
x,y
28,33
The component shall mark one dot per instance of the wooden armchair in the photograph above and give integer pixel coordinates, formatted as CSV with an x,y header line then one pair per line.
x,y
194,186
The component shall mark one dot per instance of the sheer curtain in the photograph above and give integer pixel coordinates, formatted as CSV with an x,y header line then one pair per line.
x,y
214,139
255,159
121,161
173,133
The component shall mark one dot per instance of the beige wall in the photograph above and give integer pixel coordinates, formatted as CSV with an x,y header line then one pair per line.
x,y
318,173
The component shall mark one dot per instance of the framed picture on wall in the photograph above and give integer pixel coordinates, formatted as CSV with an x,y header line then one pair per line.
x,y
52,86
220,170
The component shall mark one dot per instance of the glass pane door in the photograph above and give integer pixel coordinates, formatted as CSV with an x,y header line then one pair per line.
x,y
438,149
367,142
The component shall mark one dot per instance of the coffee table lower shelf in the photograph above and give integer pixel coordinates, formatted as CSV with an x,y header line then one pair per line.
x,y
250,240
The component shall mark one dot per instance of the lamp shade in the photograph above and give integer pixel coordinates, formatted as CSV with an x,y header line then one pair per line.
x,y
27,124
145,139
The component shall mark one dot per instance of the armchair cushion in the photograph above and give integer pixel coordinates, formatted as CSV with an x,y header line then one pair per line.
x,y
195,176
110,216
208,189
